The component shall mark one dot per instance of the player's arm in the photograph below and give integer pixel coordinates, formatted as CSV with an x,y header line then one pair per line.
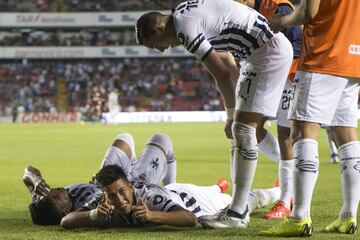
x,y
229,61
86,218
306,11
176,216
223,68
223,73
77,219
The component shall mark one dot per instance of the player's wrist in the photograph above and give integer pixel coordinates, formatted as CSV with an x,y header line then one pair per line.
x,y
93,214
230,112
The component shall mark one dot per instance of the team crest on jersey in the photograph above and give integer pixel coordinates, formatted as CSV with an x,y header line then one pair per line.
x,y
181,38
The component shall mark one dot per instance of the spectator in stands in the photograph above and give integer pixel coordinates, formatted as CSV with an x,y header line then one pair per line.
x,y
38,84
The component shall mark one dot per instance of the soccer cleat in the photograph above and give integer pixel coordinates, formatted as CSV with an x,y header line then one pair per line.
x,y
213,217
279,211
223,185
291,228
277,184
34,182
228,219
347,226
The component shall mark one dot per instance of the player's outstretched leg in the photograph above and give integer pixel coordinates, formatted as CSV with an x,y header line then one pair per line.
x,y
258,198
269,146
121,153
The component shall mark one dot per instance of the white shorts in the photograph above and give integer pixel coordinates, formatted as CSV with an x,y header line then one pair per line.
x,y
283,110
263,76
201,200
326,99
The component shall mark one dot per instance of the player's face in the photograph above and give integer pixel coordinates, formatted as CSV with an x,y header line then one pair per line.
x,y
121,194
159,41
61,199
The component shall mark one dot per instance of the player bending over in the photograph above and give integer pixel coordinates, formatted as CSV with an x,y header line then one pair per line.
x,y
207,28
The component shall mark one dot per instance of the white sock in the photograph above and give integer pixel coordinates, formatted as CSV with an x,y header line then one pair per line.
x,y
245,159
232,150
306,171
259,198
269,146
170,176
350,178
286,168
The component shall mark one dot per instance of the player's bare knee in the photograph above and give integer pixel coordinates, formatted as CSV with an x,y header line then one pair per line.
x,y
343,135
301,129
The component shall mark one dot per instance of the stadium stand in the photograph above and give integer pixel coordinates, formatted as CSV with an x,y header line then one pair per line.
x,y
96,37
144,85
84,5
39,82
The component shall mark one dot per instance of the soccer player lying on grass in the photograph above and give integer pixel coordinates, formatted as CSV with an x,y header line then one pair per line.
x,y
51,205
72,205
156,164
140,204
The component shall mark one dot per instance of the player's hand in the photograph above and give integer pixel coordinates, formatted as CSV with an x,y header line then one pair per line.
x,y
227,128
276,23
141,211
105,208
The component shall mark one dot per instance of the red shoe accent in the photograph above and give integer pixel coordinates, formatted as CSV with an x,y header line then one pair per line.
x,y
223,185
278,211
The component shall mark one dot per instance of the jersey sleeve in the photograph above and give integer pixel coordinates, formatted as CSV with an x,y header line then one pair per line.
x,y
189,34
159,200
293,34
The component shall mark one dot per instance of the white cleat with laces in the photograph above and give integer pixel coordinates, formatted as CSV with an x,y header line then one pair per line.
x,y
226,219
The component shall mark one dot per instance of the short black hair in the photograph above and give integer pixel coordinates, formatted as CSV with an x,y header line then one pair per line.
x,y
109,174
45,212
145,26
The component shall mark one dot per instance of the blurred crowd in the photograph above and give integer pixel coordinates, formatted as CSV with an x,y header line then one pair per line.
x,y
87,5
85,85
84,5
122,36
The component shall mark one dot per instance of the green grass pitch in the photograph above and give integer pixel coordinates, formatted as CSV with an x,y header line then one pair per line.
x,y
71,153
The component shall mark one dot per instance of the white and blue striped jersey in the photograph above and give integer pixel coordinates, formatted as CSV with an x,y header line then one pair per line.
x,y
84,195
156,198
223,25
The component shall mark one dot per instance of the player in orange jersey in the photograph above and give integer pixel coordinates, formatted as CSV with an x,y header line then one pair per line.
x,y
326,93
